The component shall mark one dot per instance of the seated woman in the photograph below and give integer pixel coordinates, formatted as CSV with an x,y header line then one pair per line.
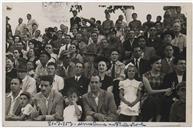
x,y
152,80
103,64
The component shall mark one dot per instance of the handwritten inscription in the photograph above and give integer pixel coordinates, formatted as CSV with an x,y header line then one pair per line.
x,y
95,124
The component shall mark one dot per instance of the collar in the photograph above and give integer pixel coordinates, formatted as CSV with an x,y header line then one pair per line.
x,y
11,95
25,78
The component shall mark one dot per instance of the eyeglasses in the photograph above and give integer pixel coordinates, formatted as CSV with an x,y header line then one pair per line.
x,y
48,48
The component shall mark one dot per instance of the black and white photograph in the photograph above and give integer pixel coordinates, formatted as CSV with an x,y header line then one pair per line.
x,y
89,64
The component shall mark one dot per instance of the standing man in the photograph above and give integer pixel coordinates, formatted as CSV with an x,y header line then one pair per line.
x,y
99,105
135,25
48,102
30,22
75,20
20,27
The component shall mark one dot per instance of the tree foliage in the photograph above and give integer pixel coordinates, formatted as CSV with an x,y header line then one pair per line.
x,y
112,9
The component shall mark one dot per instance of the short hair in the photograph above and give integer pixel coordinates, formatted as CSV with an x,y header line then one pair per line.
x,y
95,74
34,24
52,64
48,78
71,91
168,45
79,62
136,46
148,15
27,94
115,50
20,80
153,59
134,14
175,62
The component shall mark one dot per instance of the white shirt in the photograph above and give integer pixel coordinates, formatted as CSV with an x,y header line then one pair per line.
x,y
179,78
77,78
27,110
29,85
63,48
13,100
58,83
69,113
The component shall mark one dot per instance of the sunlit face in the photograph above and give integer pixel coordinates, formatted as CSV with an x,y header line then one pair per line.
x,y
16,53
73,97
44,58
49,48
94,36
137,52
105,43
72,48
51,69
45,87
167,38
68,39
142,42
9,64
16,39
24,100
131,34
157,65
95,84
31,53
102,66
168,51
176,27
30,65
31,45
114,56
181,65
131,72
79,68
15,85
22,74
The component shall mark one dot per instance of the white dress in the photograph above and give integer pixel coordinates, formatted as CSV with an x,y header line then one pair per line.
x,y
130,94
69,113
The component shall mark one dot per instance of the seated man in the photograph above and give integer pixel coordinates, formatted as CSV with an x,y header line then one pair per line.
x,y
12,101
48,102
99,105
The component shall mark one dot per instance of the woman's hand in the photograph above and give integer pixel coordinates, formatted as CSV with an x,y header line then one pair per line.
x,y
168,92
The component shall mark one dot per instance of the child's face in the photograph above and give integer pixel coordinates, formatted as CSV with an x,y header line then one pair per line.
x,y
73,97
131,72
24,100
182,94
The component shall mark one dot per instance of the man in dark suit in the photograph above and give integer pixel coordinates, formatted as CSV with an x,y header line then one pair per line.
x,y
78,82
128,45
74,20
170,81
99,105
140,63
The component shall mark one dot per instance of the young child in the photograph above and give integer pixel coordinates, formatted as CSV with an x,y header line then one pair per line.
x,y
129,95
178,109
73,111
26,109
